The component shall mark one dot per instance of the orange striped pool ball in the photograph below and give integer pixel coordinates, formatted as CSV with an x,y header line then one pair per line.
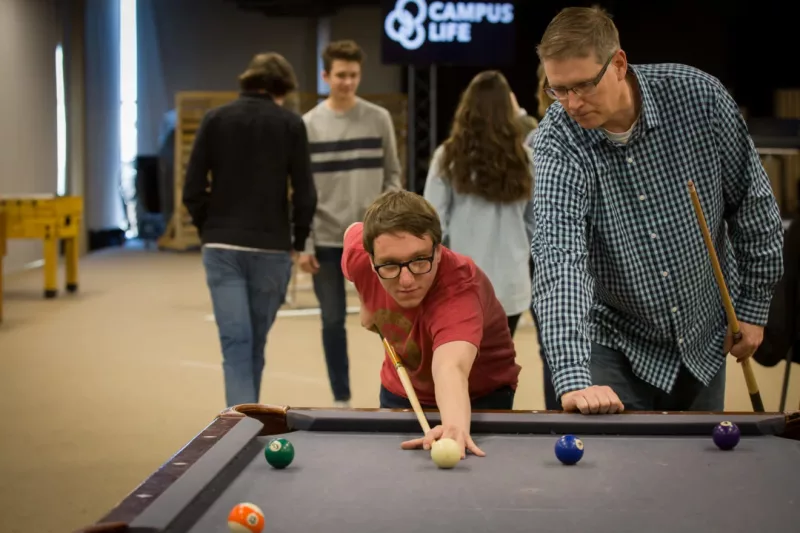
x,y
246,518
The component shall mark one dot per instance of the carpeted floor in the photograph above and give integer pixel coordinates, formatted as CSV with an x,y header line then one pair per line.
x,y
101,387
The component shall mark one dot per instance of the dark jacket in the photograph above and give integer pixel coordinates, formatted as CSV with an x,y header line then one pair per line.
x,y
783,325
237,180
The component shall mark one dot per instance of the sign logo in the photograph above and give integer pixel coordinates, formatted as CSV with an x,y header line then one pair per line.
x,y
448,21
410,33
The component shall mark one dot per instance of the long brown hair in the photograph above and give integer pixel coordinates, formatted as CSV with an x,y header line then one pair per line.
x,y
484,154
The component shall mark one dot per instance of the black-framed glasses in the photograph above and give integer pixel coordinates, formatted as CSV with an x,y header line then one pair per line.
x,y
419,265
586,88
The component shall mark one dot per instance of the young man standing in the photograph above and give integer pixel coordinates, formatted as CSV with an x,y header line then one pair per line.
x,y
243,213
630,311
354,159
439,312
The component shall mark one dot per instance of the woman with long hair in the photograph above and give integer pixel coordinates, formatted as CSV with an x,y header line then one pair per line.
x,y
481,183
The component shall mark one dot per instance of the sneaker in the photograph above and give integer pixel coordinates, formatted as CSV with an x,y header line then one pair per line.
x,y
342,404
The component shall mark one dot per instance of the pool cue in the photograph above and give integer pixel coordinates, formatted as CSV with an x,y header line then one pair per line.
x,y
409,388
749,377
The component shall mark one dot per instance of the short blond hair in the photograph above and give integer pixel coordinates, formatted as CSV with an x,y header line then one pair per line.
x,y
397,212
578,32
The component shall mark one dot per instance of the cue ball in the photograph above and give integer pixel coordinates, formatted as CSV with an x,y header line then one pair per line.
x,y
726,435
445,453
279,453
246,518
569,449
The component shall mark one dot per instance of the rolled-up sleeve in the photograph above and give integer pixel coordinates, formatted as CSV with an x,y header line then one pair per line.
x,y
562,286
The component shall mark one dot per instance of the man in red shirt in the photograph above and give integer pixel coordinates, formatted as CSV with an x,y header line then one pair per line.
x,y
439,312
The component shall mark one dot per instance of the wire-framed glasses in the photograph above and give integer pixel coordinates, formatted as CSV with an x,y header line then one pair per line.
x,y
419,265
586,88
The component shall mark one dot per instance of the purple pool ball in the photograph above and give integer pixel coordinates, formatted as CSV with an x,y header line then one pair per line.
x,y
726,435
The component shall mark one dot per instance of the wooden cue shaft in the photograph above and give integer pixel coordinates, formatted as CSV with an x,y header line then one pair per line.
x,y
749,376
406,381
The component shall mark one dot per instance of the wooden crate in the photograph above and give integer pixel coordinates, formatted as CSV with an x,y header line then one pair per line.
x,y
191,107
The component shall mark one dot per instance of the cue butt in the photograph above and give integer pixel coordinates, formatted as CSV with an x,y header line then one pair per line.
x,y
758,405
752,386
750,380
749,377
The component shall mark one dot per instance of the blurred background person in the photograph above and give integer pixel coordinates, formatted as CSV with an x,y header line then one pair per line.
x,y
481,182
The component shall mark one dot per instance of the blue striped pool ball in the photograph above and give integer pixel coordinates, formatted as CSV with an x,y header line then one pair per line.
x,y
569,449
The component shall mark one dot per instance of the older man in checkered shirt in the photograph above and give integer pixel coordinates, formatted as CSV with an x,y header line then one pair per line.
x,y
630,312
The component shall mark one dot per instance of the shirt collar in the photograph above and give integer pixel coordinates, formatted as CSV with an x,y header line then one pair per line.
x,y
649,117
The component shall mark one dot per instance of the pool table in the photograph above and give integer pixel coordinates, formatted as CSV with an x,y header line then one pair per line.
x,y
653,472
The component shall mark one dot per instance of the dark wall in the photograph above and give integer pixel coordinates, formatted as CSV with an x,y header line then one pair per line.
x,y
203,45
750,46
765,53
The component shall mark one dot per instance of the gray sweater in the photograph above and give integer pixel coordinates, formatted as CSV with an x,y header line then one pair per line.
x,y
353,160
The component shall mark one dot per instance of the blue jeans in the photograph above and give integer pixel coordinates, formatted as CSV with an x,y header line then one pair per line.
x,y
247,289
501,399
610,367
329,287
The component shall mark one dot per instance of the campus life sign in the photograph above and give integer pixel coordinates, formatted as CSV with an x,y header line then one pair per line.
x,y
418,32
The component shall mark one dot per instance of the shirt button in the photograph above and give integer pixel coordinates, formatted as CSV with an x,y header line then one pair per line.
x,y
642,197
674,309
665,273
652,235
680,340
630,160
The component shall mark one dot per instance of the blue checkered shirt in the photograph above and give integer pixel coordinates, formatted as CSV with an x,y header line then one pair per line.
x,y
619,258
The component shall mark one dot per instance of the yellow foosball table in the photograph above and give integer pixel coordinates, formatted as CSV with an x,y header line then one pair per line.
x,y
51,219
2,254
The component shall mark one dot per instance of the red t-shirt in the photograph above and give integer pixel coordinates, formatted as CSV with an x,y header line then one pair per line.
x,y
460,306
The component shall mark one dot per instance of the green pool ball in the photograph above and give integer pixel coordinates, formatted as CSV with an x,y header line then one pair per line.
x,y
279,453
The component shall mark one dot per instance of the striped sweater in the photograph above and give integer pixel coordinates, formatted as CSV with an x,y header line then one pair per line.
x,y
353,160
